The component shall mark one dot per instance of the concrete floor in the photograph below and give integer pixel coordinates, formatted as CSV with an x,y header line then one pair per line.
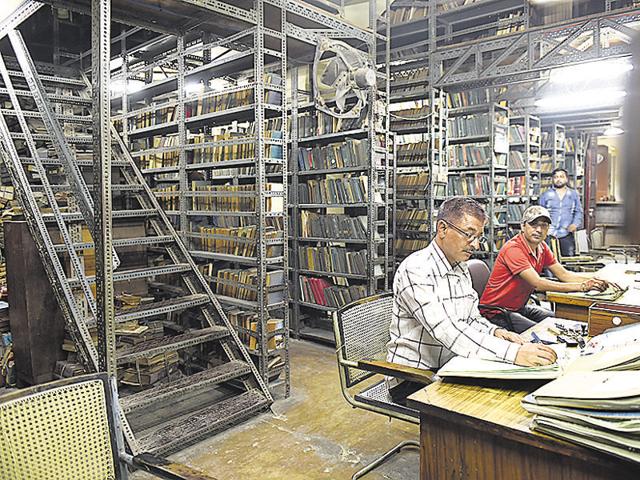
x,y
314,434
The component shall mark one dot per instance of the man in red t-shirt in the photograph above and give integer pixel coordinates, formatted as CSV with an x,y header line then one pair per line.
x,y
516,274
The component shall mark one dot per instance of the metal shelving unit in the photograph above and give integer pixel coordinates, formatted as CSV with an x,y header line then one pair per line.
x,y
421,173
310,319
553,153
524,163
185,43
575,153
478,156
53,182
215,158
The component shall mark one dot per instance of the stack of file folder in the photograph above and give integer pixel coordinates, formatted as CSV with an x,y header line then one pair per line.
x,y
600,410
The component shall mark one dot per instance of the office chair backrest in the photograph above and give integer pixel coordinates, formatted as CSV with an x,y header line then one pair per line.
x,y
480,273
363,333
60,430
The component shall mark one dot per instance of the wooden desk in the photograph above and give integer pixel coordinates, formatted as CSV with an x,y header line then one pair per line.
x,y
480,431
575,305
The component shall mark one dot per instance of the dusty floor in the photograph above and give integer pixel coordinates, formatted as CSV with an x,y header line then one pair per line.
x,y
314,434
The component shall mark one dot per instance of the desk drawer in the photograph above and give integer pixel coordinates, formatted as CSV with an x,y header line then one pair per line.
x,y
603,316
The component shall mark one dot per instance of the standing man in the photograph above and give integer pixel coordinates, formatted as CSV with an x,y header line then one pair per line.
x,y
566,211
516,274
435,308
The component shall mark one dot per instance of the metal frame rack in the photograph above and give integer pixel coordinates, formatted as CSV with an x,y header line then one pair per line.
x,y
552,153
239,172
475,55
529,151
310,319
49,169
409,21
278,27
574,160
479,148
421,173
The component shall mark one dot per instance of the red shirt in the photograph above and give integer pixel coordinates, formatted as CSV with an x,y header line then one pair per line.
x,y
505,288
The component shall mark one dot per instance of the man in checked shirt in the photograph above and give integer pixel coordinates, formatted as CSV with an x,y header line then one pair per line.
x,y
435,308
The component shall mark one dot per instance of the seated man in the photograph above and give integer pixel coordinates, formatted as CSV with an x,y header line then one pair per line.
x,y
435,309
516,274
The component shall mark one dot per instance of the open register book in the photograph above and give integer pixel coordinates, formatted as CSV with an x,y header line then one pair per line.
x,y
614,357
477,368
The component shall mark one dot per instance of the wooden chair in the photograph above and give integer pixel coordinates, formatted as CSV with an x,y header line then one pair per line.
x,y
362,333
66,430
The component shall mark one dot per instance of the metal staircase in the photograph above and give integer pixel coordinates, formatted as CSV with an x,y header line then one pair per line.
x,y
45,127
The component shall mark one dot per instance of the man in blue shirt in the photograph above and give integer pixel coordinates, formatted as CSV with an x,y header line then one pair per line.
x,y
566,211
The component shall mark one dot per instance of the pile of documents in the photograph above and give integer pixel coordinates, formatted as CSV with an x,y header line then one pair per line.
x,y
600,410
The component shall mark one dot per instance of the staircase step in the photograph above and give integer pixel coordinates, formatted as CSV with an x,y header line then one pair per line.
x,y
166,344
79,119
77,217
53,98
66,188
122,242
118,187
80,163
125,275
159,308
182,432
213,376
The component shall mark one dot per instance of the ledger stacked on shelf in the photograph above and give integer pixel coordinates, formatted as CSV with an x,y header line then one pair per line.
x,y
478,154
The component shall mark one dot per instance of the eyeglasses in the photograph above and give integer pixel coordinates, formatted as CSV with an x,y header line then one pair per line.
x,y
539,225
470,238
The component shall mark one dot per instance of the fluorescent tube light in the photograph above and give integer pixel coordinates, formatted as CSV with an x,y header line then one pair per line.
x,y
581,100
585,72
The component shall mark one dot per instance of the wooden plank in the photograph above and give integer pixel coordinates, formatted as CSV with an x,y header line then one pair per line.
x,y
403,372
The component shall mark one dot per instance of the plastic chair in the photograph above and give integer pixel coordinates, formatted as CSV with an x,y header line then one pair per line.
x,y
362,332
66,430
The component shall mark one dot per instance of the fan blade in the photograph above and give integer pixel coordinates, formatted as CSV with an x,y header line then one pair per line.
x,y
334,69
341,94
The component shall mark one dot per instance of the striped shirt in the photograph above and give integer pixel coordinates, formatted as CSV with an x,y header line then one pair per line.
x,y
435,315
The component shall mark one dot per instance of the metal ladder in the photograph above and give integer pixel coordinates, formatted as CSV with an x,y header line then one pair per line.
x,y
53,191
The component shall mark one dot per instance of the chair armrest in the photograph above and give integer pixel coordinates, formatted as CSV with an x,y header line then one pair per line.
x,y
163,468
402,372
504,311
493,307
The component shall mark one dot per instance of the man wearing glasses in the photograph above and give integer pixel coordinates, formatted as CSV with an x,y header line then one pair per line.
x,y
435,308
516,274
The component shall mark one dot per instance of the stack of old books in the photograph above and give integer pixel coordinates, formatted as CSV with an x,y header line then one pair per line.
x,y
600,410
149,370
67,368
